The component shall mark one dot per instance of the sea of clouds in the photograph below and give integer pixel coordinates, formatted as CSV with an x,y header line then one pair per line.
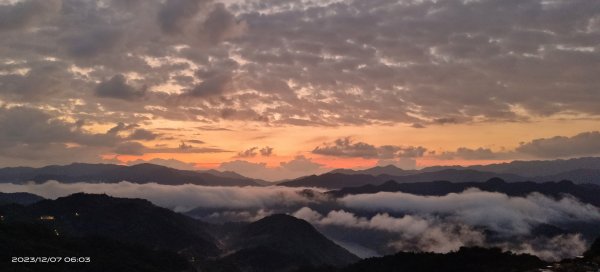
x,y
407,222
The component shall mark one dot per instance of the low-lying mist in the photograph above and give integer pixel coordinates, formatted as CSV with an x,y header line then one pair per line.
x,y
180,198
380,223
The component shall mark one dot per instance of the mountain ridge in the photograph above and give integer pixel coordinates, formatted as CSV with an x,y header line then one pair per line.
x,y
111,173
587,193
138,223
531,168
339,180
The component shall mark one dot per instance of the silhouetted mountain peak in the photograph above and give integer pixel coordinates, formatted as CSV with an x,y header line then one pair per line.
x,y
19,198
388,167
129,220
389,183
279,224
99,200
495,181
293,238
594,250
566,182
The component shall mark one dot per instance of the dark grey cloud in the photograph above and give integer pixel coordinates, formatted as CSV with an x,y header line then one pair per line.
x,y
579,145
30,136
22,125
222,24
121,127
346,147
25,13
479,153
117,87
216,79
212,128
266,151
143,134
93,41
130,148
214,84
248,153
185,148
174,14
44,80
255,151
583,144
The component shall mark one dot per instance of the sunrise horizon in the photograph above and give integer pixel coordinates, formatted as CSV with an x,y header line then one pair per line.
x,y
300,135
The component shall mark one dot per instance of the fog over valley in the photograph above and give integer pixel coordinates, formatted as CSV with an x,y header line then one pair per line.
x,y
400,221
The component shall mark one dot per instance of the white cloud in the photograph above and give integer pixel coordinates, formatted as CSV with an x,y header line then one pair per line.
x,y
414,232
180,197
496,211
429,233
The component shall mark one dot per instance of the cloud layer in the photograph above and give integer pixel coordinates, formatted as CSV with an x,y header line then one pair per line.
x,y
496,211
180,198
381,222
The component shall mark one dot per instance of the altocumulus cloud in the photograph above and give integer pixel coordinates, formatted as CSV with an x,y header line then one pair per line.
x,y
416,62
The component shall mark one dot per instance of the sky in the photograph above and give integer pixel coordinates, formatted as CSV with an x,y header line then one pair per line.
x,y
279,89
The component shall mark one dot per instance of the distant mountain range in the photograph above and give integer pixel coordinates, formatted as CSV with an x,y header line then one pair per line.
x,y
390,170
338,180
581,170
532,168
111,173
520,168
587,193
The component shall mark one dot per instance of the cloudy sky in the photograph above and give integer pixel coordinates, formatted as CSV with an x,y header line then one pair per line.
x,y
284,88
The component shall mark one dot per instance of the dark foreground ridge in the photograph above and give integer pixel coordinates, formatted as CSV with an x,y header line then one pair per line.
x,y
104,228
281,243
19,198
464,260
